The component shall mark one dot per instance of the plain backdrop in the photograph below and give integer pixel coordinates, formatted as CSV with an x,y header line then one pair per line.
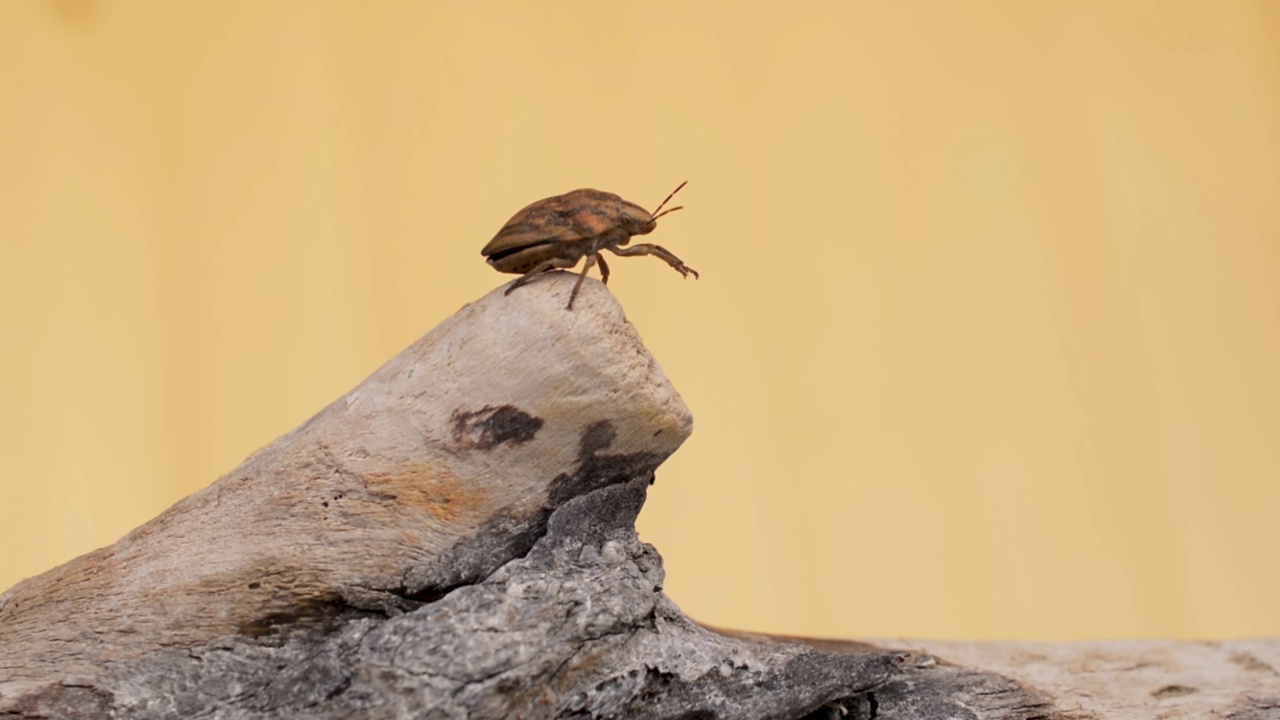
x,y
986,344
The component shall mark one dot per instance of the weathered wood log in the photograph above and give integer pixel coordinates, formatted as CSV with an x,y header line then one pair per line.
x,y
455,538
1123,679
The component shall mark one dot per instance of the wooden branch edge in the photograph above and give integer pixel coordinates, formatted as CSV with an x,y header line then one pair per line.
x,y
455,538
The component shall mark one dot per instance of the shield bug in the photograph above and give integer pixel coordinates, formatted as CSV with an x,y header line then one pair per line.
x,y
559,231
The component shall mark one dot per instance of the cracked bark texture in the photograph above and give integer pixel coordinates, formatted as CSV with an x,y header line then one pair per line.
x,y
454,538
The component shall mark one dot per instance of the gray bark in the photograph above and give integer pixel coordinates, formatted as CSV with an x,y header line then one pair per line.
x,y
454,538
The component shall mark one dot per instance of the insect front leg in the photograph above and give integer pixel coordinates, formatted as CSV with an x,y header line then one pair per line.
x,y
545,265
659,251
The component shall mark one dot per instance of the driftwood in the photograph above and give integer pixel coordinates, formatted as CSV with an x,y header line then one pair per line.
x,y
455,538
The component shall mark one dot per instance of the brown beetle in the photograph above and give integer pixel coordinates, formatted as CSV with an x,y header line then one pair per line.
x,y
559,231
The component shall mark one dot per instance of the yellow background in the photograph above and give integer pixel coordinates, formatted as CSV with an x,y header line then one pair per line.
x,y
986,344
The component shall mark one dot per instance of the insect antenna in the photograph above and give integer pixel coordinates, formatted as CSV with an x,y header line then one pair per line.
x,y
668,211
656,214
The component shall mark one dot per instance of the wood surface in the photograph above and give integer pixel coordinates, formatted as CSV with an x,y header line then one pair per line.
x,y
454,538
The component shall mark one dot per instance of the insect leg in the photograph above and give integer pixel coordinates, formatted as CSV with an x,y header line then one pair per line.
x,y
591,260
659,251
604,269
540,268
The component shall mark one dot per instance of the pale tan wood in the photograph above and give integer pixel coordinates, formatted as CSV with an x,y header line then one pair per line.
x,y
1134,679
1121,679
455,538
397,489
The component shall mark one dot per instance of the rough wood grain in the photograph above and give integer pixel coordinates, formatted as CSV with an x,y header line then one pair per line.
x,y
1129,679
455,538
430,474
1138,679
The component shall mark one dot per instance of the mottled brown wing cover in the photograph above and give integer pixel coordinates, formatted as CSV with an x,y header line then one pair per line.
x,y
576,215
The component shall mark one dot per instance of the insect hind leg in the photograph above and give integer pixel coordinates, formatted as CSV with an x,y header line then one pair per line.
x,y
538,269
657,251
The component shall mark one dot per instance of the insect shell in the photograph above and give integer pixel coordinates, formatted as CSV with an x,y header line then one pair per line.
x,y
559,231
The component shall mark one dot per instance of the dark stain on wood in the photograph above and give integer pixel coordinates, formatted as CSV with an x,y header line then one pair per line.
x,y
324,612
490,426
596,470
597,437
1173,691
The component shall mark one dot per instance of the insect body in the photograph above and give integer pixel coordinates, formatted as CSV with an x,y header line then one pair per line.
x,y
559,231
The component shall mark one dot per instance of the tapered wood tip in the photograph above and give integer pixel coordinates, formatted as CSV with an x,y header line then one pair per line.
x,y
434,471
